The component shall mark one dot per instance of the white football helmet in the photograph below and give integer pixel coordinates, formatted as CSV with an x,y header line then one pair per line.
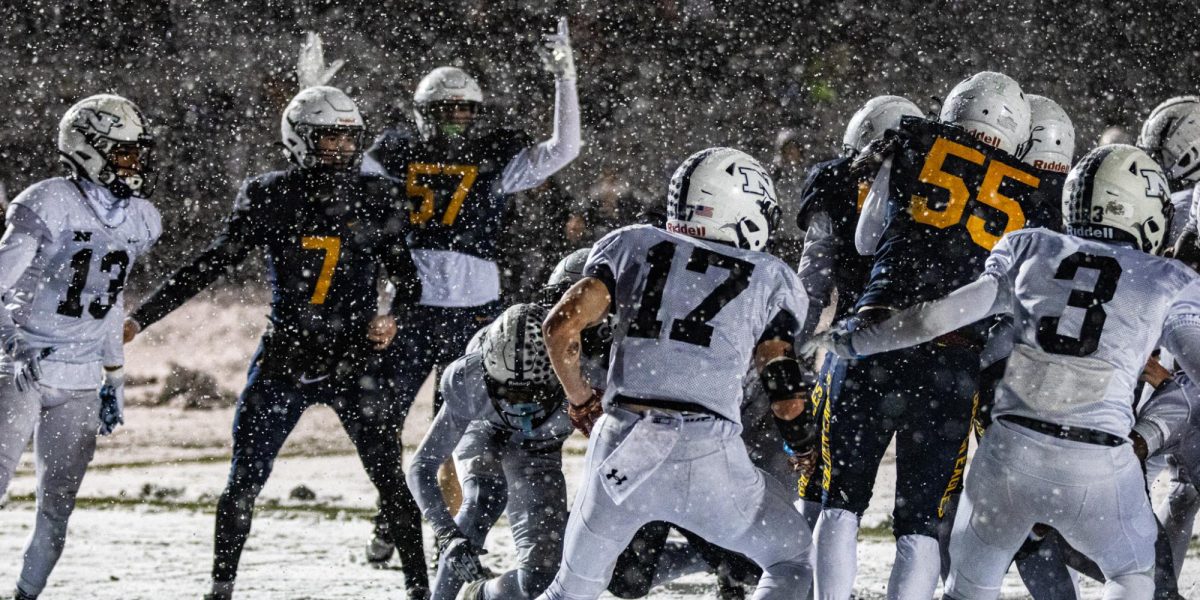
x,y
1118,193
724,195
517,369
1171,135
105,140
442,100
322,112
992,108
1051,145
878,115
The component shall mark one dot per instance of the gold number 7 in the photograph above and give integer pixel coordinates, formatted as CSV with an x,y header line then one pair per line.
x,y
332,245
416,189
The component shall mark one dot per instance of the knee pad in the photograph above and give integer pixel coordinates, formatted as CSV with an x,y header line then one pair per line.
x,y
1130,585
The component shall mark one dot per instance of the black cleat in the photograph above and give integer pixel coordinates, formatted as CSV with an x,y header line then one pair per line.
x,y
379,551
19,595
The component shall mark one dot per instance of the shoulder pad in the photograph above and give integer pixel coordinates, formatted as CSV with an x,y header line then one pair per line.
x,y
507,141
393,138
46,201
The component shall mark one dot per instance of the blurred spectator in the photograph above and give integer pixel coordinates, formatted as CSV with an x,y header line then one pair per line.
x,y
540,232
788,169
611,205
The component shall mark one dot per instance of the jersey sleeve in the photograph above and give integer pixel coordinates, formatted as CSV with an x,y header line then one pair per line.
x,y
18,247
443,435
230,247
818,261
873,219
387,154
1181,329
1163,416
404,289
531,166
42,204
790,305
602,262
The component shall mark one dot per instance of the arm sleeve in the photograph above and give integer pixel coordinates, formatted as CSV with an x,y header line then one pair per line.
x,y
874,213
531,166
1181,330
113,351
438,445
991,294
225,252
817,264
1163,416
18,248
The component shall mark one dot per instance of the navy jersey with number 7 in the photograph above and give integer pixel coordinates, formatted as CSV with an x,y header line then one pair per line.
x,y
689,314
326,239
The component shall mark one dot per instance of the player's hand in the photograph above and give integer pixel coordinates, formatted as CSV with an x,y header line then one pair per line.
x,y
130,330
836,339
381,331
112,400
27,361
557,56
871,158
462,557
311,69
1154,373
805,463
585,414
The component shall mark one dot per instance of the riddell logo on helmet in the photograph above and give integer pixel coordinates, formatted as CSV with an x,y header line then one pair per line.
x,y
991,140
686,229
1050,165
1089,231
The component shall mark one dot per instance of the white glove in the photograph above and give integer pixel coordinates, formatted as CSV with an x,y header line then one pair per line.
x,y
836,339
27,367
310,67
557,56
112,400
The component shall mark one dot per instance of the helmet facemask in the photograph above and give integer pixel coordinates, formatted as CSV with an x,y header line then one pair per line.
x,y
331,148
449,119
522,406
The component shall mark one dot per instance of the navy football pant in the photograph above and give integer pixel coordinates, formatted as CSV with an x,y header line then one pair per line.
x,y
267,411
924,396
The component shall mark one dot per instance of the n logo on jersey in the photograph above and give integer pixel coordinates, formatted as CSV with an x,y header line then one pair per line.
x,y
82,236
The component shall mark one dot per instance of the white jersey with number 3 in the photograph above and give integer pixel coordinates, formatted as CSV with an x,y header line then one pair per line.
x,y
1087,315
689,314
69,296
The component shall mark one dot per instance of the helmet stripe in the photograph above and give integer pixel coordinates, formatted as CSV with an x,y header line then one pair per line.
x,y
519,346
685,181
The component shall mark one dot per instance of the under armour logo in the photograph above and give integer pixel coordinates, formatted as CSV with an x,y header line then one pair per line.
x,y
83,236
617,478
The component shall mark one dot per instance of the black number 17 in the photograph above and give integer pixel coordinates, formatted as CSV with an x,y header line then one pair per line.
x,y
692,328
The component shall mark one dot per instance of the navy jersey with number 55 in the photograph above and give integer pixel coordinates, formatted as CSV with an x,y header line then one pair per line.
x,y
689,314
950,200
326,239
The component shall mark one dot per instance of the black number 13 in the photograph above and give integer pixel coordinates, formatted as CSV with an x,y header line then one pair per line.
x,y
1091,301
81,263
692,328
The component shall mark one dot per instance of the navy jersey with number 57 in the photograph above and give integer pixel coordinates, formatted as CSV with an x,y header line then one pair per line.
x,y
689,314
950,200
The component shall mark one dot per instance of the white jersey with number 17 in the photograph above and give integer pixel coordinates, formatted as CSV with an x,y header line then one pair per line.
x,y
689,314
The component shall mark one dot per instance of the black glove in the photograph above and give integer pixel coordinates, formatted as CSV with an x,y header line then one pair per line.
x,y
462,557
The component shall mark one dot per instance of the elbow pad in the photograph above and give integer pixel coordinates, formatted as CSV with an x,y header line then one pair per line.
x,y
782,379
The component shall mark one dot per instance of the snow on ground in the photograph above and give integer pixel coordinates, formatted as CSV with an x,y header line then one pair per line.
x,y
143,528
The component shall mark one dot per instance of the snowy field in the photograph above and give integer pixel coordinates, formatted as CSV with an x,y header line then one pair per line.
x,y
144,524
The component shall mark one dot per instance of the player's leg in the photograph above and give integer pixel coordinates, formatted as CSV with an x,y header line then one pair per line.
x,y
19,411
636,567
266,413
991,523
1042,563
858,432
733,504
64,443
733,570
598,529
1115,525
1177,513
537,515
364,413
484,496
935,410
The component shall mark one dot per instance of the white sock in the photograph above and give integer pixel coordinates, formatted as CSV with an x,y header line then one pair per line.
x,y
916,570
836,554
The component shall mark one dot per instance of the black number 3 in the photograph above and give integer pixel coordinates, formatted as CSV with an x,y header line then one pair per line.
x,y
1092,302
692,328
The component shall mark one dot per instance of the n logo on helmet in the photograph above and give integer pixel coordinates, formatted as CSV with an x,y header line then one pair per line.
x,y
90,119
1156,183
757,182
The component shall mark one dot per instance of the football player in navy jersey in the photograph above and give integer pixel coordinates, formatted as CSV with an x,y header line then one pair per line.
x,y
458,179
327,230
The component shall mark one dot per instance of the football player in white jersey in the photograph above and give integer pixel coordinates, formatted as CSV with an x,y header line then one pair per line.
x,y
1088,309
694,306
67,249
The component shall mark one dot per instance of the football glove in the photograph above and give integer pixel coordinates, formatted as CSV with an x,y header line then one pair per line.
x,y
112,401
836,339
584,416
311,69
557,56
27,367
462,557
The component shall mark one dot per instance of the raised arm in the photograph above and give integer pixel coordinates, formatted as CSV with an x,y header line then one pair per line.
x,y
531,166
